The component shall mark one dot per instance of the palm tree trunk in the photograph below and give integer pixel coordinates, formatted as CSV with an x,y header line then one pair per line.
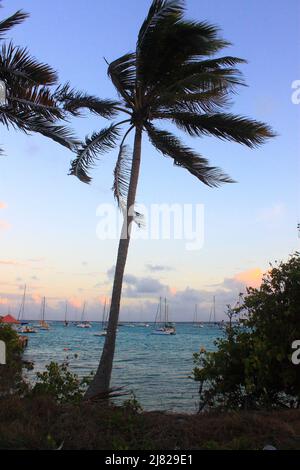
x,y
101,381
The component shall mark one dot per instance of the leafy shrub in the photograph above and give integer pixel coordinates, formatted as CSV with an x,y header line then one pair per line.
x,y
61,384
252,366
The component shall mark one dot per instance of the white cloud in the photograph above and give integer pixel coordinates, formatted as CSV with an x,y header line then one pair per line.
x,y
271,214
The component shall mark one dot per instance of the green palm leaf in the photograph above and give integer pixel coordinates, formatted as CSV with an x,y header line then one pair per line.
x,y
11,21
224,126
91,149
174,43
206,101
120,187
35,99
75,101
122,176
16,64
183,156
159,11
123,75
31,122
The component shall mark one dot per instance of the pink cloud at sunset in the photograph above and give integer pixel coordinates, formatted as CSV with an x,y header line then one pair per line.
x,y
251,277
9,262
75,302
36,298
102,299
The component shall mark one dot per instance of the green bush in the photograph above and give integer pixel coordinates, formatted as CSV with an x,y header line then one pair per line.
x,y
59,383
252,366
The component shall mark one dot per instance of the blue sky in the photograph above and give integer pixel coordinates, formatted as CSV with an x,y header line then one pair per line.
x,y
48,219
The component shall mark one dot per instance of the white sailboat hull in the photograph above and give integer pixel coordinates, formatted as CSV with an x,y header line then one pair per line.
x,y
164,332
82,325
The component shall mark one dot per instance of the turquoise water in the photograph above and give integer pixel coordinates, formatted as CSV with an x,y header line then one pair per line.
x,y
156,368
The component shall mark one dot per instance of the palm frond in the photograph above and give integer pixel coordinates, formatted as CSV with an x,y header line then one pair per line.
x,y
11,21
122,73
16,63
213,64
38,99
198,87
224,126
152,37
122,173
170,44
75,101
219,80
159,10
206,101
59,133
120,187
169,145
29,122
90,151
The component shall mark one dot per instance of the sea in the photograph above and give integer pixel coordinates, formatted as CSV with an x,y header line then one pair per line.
x,y
157,369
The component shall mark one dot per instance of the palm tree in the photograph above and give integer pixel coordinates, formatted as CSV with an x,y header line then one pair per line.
x,y
28,102
33,101
172,76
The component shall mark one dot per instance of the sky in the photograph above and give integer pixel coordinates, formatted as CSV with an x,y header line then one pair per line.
x,y
49,221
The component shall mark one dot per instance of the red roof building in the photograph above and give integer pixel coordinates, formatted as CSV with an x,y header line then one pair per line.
x,y
9,319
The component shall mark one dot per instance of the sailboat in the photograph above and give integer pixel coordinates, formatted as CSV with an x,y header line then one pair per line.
x,y
66,323
26,329
103,332
22,309
43,324
84,324
163,327
196,323
212,315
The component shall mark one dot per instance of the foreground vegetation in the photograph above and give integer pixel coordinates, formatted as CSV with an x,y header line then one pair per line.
x,y
41,423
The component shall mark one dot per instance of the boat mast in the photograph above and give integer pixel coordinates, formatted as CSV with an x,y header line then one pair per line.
x,y
22,306
214,309
166,311
66,310
83,310
159,315
196,314
43,309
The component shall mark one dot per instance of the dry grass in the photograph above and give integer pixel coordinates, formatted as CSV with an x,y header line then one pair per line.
x,y
40,423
